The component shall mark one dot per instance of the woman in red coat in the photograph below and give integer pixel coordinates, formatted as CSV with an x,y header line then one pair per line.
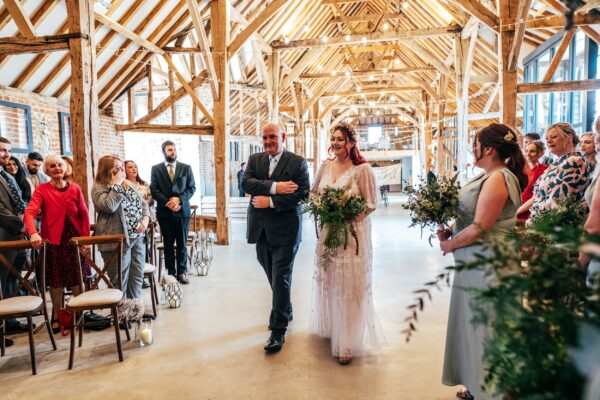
x,y
64,215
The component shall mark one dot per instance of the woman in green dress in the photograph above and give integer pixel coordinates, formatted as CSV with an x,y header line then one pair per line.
x,y
487,206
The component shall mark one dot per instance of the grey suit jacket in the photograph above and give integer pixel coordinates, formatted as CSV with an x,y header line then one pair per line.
x,y
111,216
10,223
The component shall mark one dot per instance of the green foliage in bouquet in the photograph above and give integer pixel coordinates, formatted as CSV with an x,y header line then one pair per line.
x,y
335,209
433,203
534,309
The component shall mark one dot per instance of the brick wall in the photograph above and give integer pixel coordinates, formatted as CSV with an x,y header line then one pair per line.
x,y
45,124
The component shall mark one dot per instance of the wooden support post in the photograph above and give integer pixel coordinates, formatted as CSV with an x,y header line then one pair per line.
x,y
275,63
171,92
441,156
316,136
427,130
507,11
299,142
219,11
130,105
193,72
150,92
84,96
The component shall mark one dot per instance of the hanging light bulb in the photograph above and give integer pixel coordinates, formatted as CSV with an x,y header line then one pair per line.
x,y
325,39
386,26
319,67
347,74
393,98
333,73
362,114
286,39
371,77
306,28
405,4
364,39
358,88
385,70
348,37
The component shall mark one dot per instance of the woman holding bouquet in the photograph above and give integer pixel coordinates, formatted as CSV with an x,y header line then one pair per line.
x,y
487,206
342,300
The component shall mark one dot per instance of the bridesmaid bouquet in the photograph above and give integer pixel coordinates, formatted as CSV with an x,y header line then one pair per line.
x,y
335,209
433,203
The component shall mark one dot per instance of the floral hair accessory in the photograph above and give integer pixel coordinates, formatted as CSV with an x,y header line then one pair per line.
x,y
509,137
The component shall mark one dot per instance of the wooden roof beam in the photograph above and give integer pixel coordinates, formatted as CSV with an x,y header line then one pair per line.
x,y
366,18
558,54
377,90
517,43
368,38
559,21
18,15
174,129
479,11
378,72
568,86
20,45
204,45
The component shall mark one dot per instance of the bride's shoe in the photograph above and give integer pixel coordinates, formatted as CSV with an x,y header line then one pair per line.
x,y
344,360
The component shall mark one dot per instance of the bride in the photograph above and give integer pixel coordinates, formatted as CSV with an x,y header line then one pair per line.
x,y
342,300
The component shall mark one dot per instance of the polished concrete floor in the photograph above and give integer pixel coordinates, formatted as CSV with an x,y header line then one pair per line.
x,y
211,347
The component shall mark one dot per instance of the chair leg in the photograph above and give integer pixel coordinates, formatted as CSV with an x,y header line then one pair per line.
x,y
160,264
153,293
115,314
31,344
49,327
72,351
2,342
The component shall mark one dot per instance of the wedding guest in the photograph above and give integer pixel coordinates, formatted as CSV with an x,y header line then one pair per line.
x,y
15,169
587,149
343,302
121,210
33,166
530,137
143,187
240,176
69,170
534,152
567,176
487,206
64,215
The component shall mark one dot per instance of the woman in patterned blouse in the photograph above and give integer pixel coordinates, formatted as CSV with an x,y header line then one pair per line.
x,y
566,177
121,210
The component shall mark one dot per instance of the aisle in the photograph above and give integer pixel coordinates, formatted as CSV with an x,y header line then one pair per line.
x,y
211,348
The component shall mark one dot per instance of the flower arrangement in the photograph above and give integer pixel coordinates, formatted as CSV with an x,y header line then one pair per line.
x,y
335,210
433,203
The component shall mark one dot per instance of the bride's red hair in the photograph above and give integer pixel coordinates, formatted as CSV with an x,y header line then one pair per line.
x,y
351,143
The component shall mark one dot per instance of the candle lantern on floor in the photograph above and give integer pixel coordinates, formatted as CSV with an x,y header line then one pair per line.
x,y
173,295
145,331
203,253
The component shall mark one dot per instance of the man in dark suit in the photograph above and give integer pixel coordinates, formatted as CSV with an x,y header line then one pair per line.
x,y
11,222
172,185
240,176
277,180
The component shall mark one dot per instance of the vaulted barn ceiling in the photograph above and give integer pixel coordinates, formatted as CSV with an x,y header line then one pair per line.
x,y
393,58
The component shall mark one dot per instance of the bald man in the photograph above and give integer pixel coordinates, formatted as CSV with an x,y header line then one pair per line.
x,y
277,180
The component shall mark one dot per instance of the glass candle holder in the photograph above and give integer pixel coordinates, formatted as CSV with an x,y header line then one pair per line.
x,y
146,333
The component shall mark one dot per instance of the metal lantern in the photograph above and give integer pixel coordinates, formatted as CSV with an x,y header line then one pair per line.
x,y
203,253
173,295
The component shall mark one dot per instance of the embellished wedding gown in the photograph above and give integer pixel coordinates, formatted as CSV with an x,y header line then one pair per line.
x,y
342,307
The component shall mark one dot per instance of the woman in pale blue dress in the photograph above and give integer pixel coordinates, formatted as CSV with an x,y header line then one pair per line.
x,y
487,206
592,224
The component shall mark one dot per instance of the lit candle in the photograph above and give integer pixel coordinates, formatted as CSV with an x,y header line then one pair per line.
x,y
146,336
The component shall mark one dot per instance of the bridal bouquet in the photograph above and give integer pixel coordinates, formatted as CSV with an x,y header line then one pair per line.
x,y
335,209
433,203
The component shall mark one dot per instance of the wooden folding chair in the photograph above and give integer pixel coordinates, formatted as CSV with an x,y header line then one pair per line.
x,y
97,298
30,305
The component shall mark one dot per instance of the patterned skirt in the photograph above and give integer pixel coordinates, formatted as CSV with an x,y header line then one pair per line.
x,y
61,261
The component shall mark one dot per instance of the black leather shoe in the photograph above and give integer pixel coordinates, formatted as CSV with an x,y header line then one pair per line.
x,y
183,279
14,326
145,284
275,342
8,342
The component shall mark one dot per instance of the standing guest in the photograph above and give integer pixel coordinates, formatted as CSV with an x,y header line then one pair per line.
x,y
431,174
566,177
172,186
277,180
143,188
64,216
343,302
534,152
487,206
588,150
121,210
15,169
69,170
240,176
33,166
11,223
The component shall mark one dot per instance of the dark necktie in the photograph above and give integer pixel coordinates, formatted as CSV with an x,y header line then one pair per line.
x,y
14,192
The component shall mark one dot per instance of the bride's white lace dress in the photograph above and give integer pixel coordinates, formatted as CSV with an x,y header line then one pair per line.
x,y
342,298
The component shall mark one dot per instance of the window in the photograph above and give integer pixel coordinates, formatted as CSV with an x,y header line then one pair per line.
x,y
15,125
373,134
66,137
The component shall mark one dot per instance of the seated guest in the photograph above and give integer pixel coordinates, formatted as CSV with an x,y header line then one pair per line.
x,y
33,173
534,152
566,177
121,210
592,224
64,216
587,149
534,137
16,170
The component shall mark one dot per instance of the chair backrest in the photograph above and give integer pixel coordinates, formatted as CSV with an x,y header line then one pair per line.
x,y
81,243
37,266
